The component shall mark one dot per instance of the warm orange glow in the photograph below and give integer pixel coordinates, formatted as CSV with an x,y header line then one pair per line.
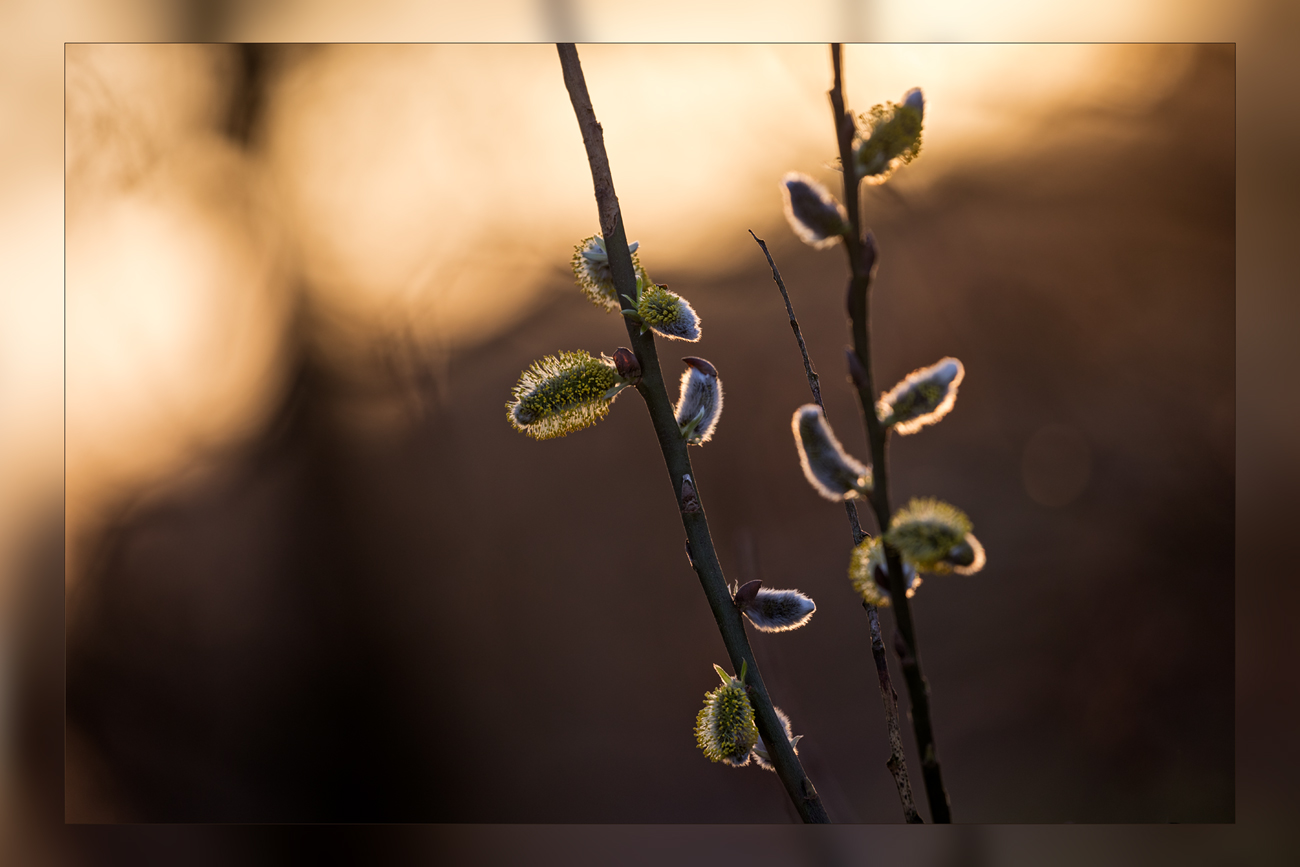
x,y
453,204
436,192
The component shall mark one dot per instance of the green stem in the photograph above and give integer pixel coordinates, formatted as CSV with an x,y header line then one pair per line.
x,y
699,543
862,253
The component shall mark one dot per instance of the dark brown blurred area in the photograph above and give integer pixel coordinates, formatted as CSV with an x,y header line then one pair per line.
x,y
448,622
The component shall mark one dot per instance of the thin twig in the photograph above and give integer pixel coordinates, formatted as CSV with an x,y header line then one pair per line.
x,y
897,763
651,387
862,254
814,381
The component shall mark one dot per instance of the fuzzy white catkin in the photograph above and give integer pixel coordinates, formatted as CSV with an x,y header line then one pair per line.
x,y
760,754
924,396
700,401
779,610
831,471
812,212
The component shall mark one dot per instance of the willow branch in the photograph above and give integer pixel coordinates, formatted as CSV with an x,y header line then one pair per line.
x,y
889,697
651,387
897,763
862,254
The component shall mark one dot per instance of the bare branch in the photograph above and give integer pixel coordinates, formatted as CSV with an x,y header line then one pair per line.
x,y
862,253
651,387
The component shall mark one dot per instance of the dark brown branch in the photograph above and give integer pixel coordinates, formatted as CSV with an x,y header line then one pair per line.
x,y
897,763
651,387
861,250
814,381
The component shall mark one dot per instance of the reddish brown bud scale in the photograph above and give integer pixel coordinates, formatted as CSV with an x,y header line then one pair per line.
x,y
625,362
747,593
701,365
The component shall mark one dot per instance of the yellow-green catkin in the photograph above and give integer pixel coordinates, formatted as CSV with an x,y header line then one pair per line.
x,y
869,574
668,314
936,537
724,728
562,393
889,136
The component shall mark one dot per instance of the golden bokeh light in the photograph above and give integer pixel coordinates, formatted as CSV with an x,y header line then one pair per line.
x,y
175,275
453,204
436,192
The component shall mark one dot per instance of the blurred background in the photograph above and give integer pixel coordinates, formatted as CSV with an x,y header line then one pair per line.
x,y
310,575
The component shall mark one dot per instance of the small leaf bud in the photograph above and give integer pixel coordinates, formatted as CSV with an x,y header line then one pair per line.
x,y
690,500
591,269
814,214
668,314
563,393
924,397
778,610
901,648
760,755
700,402
724,727
869,254
889,136
936,537
625,362
869,573
827,467
857,373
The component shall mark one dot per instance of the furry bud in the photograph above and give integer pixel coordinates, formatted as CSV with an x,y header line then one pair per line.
x,y
700,403
667,314
829,469
778,610
936,537
923,397
814,214
724,727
